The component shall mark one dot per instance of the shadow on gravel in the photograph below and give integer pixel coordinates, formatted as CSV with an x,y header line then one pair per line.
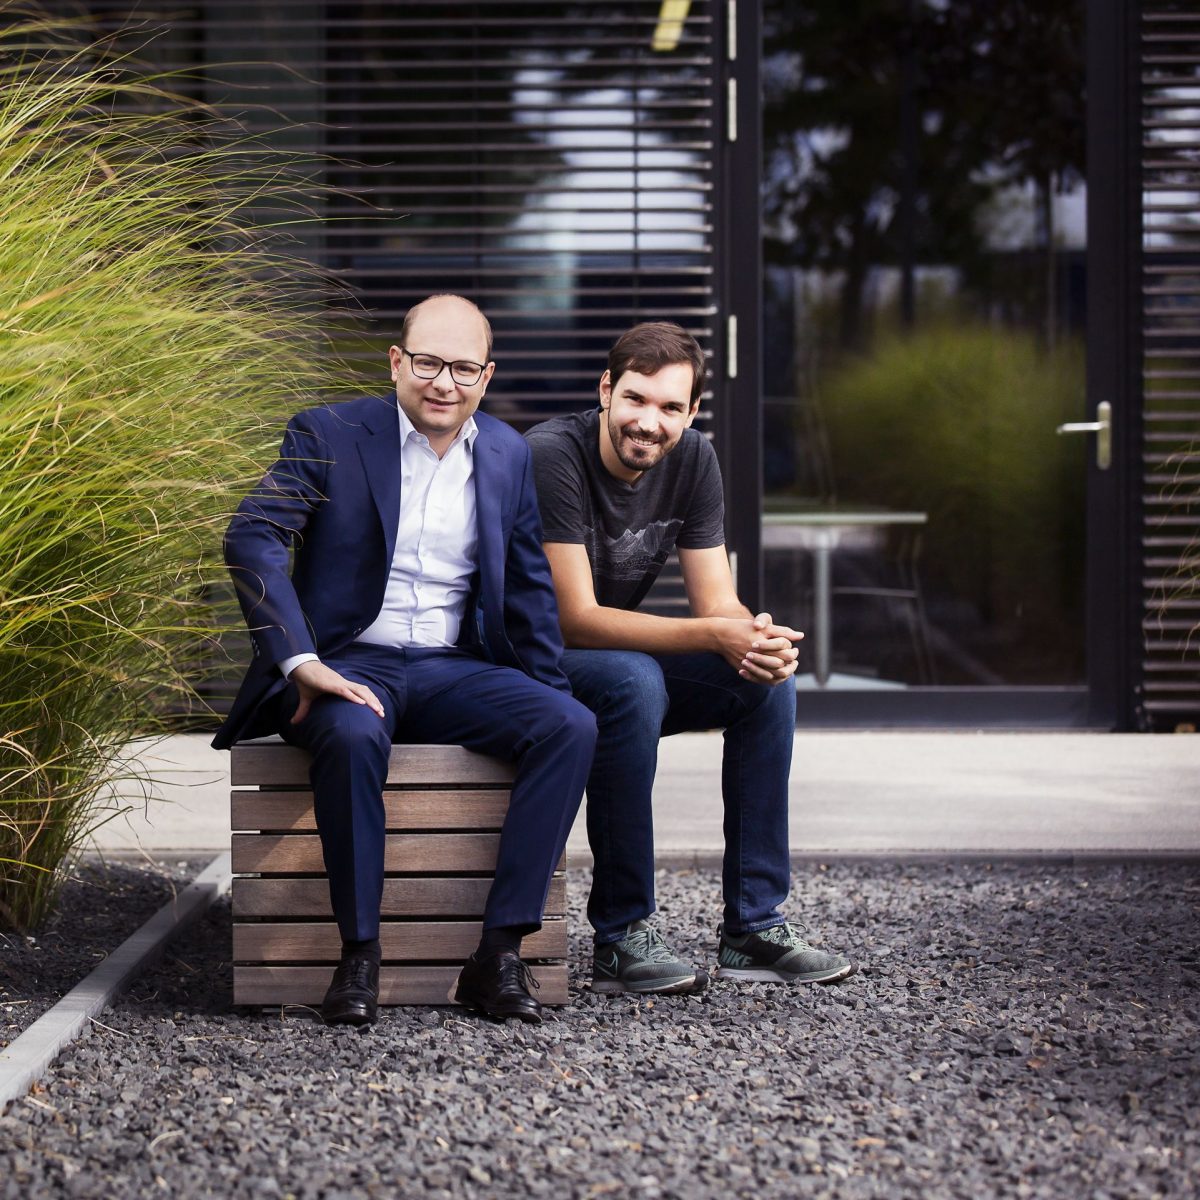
x,y
98,908
1017,1031
195,976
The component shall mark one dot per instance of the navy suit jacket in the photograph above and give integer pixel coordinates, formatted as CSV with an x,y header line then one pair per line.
x,y
331,505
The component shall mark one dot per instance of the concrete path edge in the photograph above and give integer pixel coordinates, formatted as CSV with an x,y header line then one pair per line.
x,y
26,1058
683,860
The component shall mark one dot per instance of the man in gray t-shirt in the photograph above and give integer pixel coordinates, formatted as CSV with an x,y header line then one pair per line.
x,y
619,488
628,527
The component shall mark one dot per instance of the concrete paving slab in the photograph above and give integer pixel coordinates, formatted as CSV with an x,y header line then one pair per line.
x,y
179,800
851,792
868,791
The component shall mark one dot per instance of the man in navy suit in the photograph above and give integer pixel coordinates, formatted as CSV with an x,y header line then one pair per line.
x,y
418,608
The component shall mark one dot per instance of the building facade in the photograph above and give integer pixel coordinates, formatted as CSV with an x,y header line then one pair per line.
x,y
914,239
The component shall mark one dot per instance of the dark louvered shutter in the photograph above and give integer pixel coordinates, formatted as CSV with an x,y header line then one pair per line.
x,y
556,162
542,158
1170,323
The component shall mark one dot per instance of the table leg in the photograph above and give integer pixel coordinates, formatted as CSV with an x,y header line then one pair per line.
x,y
822,617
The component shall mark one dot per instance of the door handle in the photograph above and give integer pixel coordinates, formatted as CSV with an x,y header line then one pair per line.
x,y
1101,427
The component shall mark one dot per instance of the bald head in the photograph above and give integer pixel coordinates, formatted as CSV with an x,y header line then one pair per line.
x,y
444,341
451,306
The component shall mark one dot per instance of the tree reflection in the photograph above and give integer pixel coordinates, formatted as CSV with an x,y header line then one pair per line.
x,y
893,127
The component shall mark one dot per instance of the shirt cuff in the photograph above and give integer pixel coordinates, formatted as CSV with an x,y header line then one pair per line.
x,y
290,664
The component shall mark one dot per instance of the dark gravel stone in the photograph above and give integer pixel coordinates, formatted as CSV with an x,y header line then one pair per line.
x,y
1014,1030
99,906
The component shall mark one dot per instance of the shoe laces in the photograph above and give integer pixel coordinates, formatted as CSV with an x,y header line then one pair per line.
x,y
786,935
515,971
356,972
648,943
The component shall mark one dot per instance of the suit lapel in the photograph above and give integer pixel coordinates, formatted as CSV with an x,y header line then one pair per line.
x,y
379,448
489,494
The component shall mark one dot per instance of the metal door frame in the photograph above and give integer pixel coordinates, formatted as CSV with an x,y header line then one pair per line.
x,y
1114,359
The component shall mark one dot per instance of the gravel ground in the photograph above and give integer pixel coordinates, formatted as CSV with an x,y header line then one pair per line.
x,y
1013,1031
98,908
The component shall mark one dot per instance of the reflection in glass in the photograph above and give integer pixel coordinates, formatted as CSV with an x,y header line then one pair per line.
x,y
924,201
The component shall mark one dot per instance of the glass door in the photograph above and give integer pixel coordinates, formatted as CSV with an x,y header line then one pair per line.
x,y
925,286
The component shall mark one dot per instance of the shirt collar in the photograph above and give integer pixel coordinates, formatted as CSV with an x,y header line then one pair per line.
x,y
466,434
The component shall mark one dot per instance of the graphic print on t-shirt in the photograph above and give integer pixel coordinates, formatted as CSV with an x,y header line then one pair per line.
x,y
634,553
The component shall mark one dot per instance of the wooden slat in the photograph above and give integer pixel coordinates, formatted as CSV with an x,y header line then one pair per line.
x,y
402,941
472,809
263,948
279,765
295,854
404,853
428,897
397,985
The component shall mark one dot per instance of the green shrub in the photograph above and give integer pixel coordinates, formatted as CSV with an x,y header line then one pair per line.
x,y
958,421
146,330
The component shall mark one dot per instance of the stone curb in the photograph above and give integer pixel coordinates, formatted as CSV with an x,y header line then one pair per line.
x,y
24,1060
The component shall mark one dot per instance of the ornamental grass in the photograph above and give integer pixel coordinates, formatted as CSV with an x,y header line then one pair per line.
x,y
148,328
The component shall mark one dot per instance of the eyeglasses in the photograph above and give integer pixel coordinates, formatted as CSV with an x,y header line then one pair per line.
x,y
429,366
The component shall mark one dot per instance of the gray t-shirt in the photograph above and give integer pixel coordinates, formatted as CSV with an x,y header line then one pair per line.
x,y
629,529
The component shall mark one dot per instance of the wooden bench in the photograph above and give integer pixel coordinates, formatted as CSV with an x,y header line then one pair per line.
x,y
445,806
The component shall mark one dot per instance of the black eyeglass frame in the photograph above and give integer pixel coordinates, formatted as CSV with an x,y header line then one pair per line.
x,y
478,368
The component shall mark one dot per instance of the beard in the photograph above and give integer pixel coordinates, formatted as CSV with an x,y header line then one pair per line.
x,y
636,455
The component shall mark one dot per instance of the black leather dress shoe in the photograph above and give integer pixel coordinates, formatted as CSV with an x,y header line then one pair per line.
x,y
353,996
499,986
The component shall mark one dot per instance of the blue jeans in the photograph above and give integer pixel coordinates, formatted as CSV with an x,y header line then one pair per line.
x,y
638,698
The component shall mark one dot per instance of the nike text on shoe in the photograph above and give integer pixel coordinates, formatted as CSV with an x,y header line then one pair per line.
x,y
641,962
777,955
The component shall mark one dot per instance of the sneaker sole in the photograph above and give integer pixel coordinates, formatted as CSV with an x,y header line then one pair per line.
x,y
767,975
671,987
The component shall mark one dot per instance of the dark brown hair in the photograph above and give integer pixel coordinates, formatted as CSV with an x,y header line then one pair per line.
x,y
411,315
649,347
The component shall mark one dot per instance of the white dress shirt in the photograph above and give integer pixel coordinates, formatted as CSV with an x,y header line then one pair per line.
x,y
436,543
